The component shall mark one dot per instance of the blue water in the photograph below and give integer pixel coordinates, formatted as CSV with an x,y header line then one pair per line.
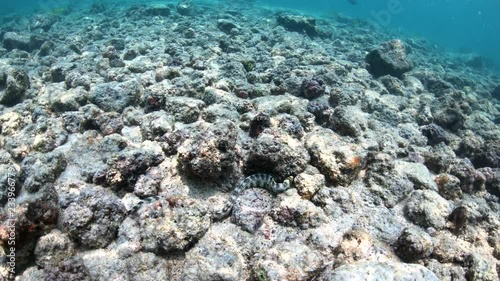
x,y
470,26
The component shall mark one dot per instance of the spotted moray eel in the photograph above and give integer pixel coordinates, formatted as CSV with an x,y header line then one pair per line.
x,y
263,181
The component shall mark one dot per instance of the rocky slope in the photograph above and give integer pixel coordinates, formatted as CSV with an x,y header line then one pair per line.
x,y
123,129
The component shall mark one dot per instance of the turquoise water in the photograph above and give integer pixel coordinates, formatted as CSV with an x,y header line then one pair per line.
x,y
466,26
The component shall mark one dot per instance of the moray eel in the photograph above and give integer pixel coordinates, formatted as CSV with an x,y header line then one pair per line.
x,y
263,181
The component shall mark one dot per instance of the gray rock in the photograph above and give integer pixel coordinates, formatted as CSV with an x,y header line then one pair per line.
x,y
156,124
481,268
43,21
147,266
300,24
348,121
211,152
69,269
288,261
62,100
274,152
59,71
471,180
390,59
12,40
13,85
446,271
93,219
172,223
115,96
104,264
38,215
449,186
186,8
53,248
338,160
492,183
184,109
124,168
413,244
215,257
294,211
250,208
226,26
496,92
157,10
388,271
426,208
38,170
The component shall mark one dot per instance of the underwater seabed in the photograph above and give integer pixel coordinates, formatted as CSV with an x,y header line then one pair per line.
x,y
230,142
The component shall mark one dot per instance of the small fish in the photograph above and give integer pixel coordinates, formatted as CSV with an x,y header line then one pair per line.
x,y
353,2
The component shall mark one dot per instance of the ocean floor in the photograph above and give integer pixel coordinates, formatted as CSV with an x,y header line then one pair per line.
x,y
231,142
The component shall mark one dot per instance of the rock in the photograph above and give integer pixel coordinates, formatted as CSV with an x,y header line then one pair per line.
x,y
276,153
92,220
487,156
348,121
300,24
12,40
124,168
435,134
76,79
259,123
309,183
481,268
389,59
446,271
496,92
110,123
35,214
413,244
373,270
69,269
156,124
53,248
450,118
186,8
62,100
291,125
288,261
147,266
470,179
426,208
215,257
172,223
115,96
417,173
43,21
492,183
210,153
393,85
226,26
338,160
294,211
38,170
103,264
250,208
312,88
59,71
148,184
358,244
184,109
448,186
14,83
157,10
